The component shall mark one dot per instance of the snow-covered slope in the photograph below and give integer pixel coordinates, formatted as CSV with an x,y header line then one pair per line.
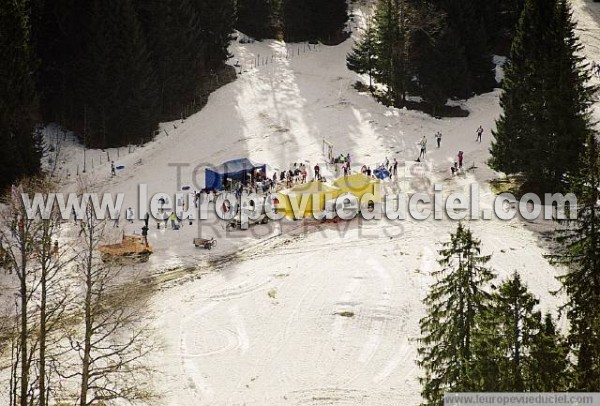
x,y
265,329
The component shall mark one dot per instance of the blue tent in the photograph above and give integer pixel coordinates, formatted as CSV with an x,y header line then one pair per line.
x,y
236,170
381,173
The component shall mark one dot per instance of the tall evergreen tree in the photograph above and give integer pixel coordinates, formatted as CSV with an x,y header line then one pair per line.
x,y
21,147
549,363
511,325
392,39
217,19
60,44
441,66
362,58
173,33
466,22
546,99
119,91
579,241
451,325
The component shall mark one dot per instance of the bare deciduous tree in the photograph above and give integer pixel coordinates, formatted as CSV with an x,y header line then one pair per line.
x,y
114,338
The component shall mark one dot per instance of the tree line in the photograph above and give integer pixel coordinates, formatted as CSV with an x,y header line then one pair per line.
x,y
112,70
481,336
435,50
294,20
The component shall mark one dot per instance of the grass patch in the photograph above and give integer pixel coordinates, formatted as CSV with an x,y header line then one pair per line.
x,y
511,184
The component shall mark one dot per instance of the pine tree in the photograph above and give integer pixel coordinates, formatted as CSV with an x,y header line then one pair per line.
x,y
119,91
570,98
392,43
21,148
173,36
362,59
216,20
546,99
579,251
441,67
548,365
466,22
451,325
511,325
60,45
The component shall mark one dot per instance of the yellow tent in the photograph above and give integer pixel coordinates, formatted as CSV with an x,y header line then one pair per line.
x,y
306,199
359,185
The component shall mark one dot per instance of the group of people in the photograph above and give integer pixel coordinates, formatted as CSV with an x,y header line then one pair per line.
x,y
342,164
298,173
458,164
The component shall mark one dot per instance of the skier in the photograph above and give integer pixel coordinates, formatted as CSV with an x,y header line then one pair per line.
x,y
113,171
395,167
460,159
438,137
423,144
479,133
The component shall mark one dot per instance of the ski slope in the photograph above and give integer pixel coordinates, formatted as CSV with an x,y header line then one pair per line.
x,y
265,327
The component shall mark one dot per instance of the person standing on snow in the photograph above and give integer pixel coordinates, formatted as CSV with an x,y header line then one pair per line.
x,y
423,144
438,137
479,134
113,171
317,172
460,159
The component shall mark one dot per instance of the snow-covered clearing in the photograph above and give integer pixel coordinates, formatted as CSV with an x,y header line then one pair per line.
x,y
264,328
